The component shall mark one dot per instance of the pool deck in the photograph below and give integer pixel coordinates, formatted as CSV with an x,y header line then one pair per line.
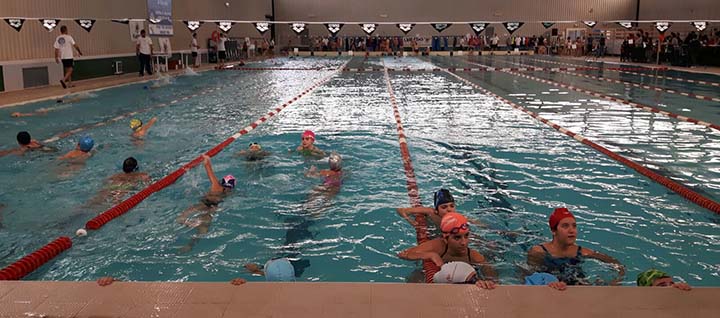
x,y
208,300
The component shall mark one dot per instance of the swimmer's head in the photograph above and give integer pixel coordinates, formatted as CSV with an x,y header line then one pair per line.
x,y
228,182
648,277
135,124
335,161
59,101
86,144
130,165
308,134
455,273
454,223
254,146
558,215
441,197
279,270
23,138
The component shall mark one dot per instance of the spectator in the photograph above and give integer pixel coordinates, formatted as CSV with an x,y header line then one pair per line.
x,y
64,45
144,51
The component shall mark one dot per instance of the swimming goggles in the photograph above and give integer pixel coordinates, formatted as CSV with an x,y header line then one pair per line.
x,y
456,230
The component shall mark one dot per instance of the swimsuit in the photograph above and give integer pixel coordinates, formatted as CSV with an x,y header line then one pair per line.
x,y
445,252
567,269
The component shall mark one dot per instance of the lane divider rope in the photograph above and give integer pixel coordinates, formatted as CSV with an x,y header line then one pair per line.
x,y
34,260
683,191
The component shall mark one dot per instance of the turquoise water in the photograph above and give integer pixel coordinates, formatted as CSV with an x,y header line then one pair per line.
x,y
505,169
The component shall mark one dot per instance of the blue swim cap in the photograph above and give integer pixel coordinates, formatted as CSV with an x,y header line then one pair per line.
x,y
279,270
442,196
540,279
86,143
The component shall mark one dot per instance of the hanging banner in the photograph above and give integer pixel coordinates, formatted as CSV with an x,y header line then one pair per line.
x,y
123,21
440,26
369,28
334,28
662,26
225,25
626,24
49,24
405,27
193,25
478,27
512,26
548,24
86,24
298,27
262,27
16,24
699,25
589,24
160,17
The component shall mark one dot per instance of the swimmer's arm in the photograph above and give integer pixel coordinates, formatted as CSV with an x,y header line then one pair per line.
x,y
147,126
214,184
607,259
536,256
488,271
317,152
66,156
254,269
9,152
404,213
313,172
425,251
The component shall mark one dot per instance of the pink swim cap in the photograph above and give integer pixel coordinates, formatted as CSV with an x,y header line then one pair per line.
x,y
308,133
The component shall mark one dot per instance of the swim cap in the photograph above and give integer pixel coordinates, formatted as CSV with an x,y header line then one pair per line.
x,y
23,138
255,144
442,196
454,223
308,133
279,270
557,216
86,143
647,277
228,181
540,279
335,161
135,123
454,273
130,165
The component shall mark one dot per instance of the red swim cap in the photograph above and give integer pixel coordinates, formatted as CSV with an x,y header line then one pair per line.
x,y
454,223
557,215
308,133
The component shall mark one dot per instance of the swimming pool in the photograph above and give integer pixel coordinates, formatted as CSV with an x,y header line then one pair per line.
x,y
504,168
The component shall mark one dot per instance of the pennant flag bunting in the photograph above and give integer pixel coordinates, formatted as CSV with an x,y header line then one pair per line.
x,y
86,24
262,27
225,25
512,26
478,27
700,25
405,27
123,21
16,24
590,24
298,27
154,21
548,24
49,24
626,24
369,28
441,26
193,25
662,26
334,28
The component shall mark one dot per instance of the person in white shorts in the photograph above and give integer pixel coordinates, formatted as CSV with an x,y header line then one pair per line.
x,y
64,45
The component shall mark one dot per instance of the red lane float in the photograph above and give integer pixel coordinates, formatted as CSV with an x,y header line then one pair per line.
x,y
421,230
34,260
134,200
615,99
668,183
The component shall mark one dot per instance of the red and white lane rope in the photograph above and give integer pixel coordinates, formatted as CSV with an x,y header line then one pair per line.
x,y
242,68
648,87
411,181
615,99
115,119
643,74
471,69
668,183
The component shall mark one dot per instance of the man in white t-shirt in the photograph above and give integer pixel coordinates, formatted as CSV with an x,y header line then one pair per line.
x,y
64,45
144,51
494,42
194,47
221,50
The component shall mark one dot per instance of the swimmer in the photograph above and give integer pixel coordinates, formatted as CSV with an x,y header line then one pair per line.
x,y
139,130
26,144
562,257
209,203
453,246
122,183
41,111
81,151
458,273
333,176
275,270
657,278
444,203
307,147
254,152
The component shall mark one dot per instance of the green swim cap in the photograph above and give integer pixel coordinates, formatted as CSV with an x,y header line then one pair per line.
x,y
647,277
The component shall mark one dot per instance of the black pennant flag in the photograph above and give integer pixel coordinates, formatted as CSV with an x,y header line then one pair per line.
x,y
86,24
49,24
626,24
405,27
478,27
369,28
193,25
589,24
334,28
225,25
298,27
262,27
123,21
699,25
548,24
441,26
662,26
16,24
512,26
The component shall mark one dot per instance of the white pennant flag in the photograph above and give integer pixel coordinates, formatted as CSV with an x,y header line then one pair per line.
x,y
700,25
262,27
49,24
298,27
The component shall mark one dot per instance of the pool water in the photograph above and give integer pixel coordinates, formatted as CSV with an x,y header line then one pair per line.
x,y
505,169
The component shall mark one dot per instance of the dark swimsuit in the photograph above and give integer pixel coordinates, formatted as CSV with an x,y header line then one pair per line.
x,y
445,252
566,269
211,203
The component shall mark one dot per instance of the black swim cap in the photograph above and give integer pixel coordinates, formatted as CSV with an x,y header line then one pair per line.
x,y
442,196
23,138
130,165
